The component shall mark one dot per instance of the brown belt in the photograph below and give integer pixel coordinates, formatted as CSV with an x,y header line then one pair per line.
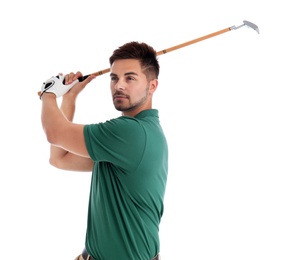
x,y
86,256
156,257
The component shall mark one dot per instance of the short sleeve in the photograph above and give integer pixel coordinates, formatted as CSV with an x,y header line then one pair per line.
x,y
120,141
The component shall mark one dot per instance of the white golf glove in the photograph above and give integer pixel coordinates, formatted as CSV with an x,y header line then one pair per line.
x,y
55,85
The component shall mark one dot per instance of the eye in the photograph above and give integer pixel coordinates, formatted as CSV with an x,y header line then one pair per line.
x,y
114,78
129,78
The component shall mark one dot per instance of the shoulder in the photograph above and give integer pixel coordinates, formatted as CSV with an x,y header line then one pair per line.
x,y
124,127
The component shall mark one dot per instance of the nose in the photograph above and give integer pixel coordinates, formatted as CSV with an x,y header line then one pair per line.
x,y
120,85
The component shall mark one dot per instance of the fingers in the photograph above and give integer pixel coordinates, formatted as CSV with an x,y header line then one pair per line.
x,y
71,77
90,78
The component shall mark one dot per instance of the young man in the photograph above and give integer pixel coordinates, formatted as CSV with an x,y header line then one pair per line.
x,y
128,156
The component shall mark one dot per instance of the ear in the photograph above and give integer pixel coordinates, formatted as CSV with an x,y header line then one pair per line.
x,y
153,85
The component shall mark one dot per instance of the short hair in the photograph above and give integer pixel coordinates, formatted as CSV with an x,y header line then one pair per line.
x,y
142,52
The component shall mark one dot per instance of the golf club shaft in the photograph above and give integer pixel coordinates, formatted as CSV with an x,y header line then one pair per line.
x,y
101,72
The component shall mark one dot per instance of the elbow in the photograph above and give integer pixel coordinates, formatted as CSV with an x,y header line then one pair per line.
x,y
54,162
50,139
51,136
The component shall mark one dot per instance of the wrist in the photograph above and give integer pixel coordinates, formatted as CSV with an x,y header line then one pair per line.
x,y
69,98
47,95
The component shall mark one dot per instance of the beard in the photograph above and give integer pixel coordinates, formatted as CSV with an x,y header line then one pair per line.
x,y
125,104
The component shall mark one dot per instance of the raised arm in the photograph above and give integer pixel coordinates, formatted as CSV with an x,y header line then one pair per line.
x,y
68,150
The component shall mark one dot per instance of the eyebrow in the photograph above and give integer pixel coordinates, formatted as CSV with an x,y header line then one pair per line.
x,y
126,74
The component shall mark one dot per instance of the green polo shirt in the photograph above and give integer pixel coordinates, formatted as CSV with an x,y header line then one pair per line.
x,y
127,187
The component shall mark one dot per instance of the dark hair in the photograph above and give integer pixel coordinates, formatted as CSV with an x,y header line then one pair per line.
x,y
139,51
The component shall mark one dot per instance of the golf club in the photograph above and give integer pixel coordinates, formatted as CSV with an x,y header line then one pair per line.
x,y
245,23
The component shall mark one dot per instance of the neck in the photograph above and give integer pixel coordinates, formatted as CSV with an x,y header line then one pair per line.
x,y
134,111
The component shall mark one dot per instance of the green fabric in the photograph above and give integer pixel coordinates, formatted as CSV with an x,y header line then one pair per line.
x,y
127,187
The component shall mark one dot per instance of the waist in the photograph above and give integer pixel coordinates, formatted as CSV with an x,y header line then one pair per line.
x,y
86,256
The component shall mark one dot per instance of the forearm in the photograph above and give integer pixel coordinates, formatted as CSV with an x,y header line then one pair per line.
x,y
68,149
59,157
52,118
68,109
68,106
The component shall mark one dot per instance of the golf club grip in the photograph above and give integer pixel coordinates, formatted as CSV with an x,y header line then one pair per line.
x,y
81,79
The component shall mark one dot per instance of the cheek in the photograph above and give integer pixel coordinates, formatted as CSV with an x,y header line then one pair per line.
x,y
112,87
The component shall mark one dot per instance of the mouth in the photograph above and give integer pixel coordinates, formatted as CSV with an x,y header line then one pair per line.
x,y
119,96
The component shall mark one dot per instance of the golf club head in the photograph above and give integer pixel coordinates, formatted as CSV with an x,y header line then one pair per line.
x,y
252,25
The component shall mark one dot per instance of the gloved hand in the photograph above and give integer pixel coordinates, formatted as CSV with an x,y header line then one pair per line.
x,y
56,85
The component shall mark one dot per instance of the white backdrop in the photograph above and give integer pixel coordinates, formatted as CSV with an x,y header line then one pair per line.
x,y
224,106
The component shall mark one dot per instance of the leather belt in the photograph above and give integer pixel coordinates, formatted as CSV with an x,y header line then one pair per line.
x,y
86,256
156,257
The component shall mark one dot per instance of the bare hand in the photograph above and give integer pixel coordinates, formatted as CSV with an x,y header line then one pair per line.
x,y
77,88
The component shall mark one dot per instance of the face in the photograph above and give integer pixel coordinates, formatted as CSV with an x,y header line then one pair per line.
x,y
131,91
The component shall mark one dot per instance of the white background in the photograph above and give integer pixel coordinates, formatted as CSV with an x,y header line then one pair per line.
x,y
224,106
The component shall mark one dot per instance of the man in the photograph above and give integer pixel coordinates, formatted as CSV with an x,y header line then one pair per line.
x,y
128,156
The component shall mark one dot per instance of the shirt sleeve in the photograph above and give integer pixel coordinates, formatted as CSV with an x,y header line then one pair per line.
x,y
120,141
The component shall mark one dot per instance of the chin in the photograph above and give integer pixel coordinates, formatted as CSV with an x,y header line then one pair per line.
x,y
119,108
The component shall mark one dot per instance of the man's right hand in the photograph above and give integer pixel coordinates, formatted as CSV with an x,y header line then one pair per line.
x,y
79,86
